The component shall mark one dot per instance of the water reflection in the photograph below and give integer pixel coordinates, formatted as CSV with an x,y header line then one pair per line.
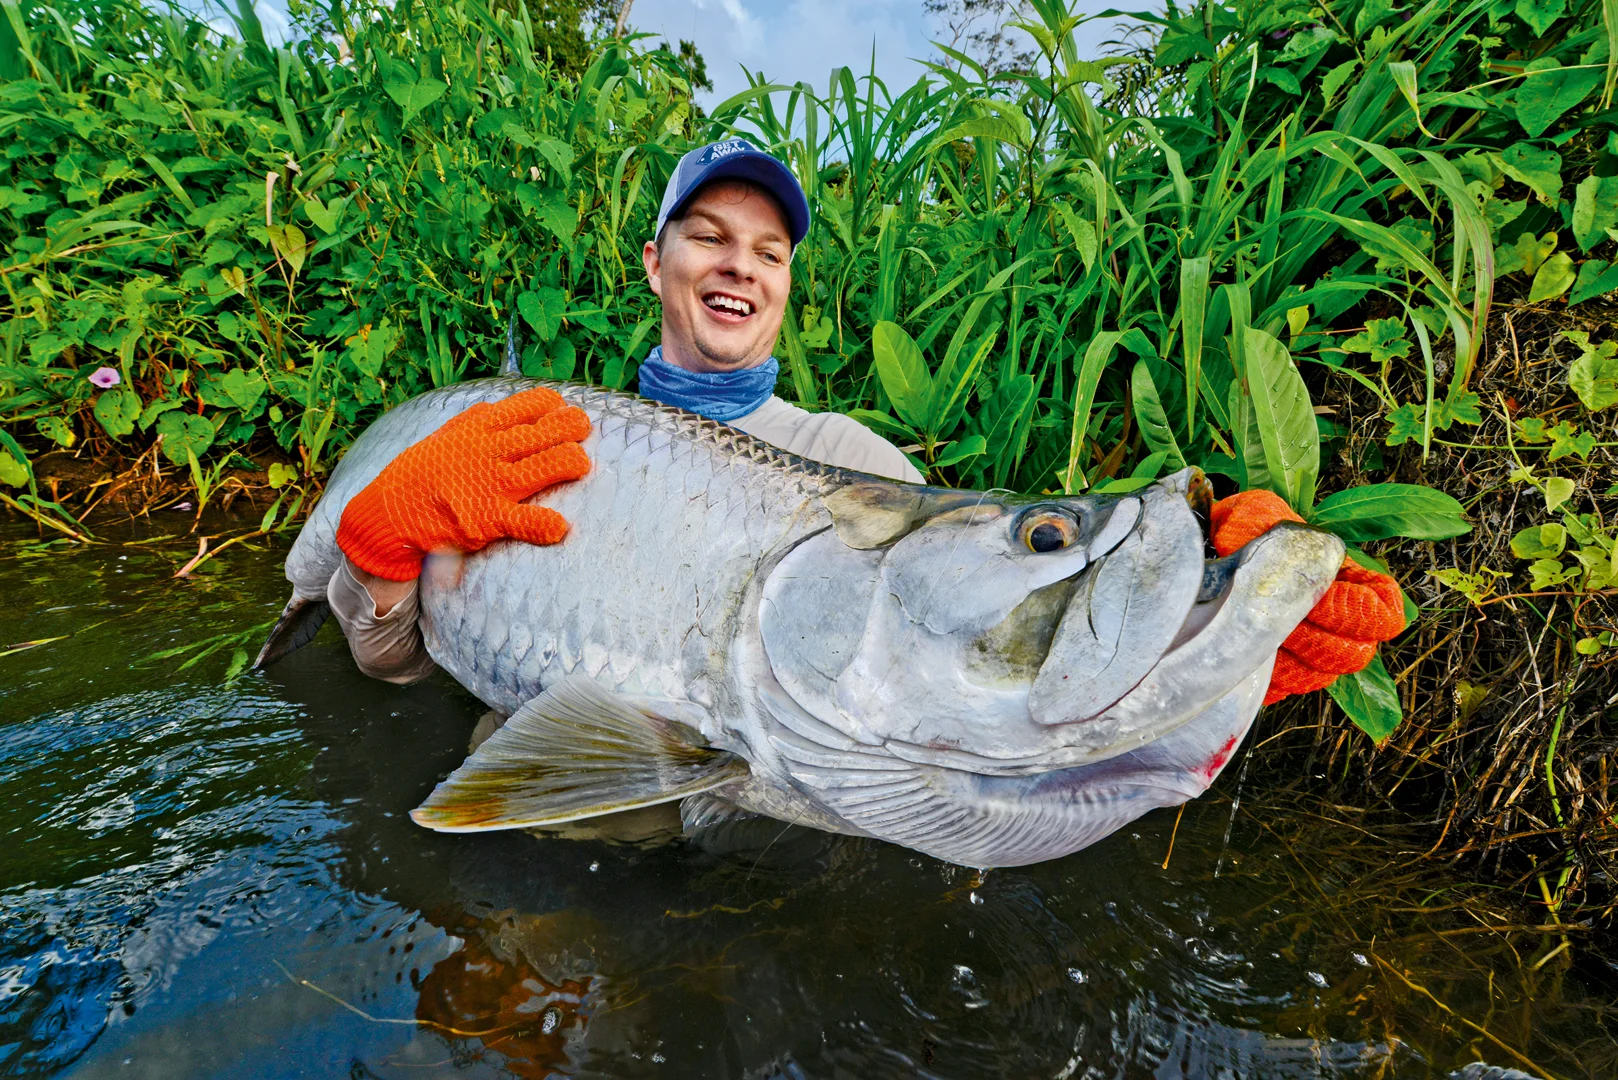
x,y
202,880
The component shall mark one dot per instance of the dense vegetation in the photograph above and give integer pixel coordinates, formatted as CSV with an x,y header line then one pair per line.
x,y
1076,276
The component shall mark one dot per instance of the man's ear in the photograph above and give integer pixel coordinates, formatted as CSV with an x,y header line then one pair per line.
x,y
653,262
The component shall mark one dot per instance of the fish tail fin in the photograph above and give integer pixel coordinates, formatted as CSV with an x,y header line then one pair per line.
x,y
299,622
577,751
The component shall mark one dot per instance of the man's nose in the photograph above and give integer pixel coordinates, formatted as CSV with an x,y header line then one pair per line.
x,y
738,264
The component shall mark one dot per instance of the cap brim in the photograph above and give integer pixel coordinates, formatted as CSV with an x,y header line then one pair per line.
x,y
765,171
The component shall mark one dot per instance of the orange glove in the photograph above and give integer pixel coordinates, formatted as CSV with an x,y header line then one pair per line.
x,y
1340,636
462,486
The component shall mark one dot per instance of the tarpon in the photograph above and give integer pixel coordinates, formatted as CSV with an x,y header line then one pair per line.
x,y
992,679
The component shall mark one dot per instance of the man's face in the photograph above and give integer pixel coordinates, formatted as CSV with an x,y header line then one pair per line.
x,y
723,277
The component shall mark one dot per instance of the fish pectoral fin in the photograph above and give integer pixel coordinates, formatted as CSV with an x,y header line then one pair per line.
x,y
296,627
577,751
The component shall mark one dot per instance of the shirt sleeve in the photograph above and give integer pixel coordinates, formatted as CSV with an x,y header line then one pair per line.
x,y
847,443
387,647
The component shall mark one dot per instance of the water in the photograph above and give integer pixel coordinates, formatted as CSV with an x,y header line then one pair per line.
x,y
202,879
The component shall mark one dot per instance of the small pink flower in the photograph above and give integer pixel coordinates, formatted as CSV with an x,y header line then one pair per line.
x,y
105,377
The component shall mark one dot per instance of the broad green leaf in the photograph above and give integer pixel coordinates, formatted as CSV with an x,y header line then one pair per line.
x,y
1549,573
282,474
1370,699
56,430
1154,422
372,345
13,473
543,309
903,371
1595,210
1554,277
1546,541
243,387
1539,169
1567,440
971,446
1594,375
1336,77
1527,253
1459,409
325,215
1384,339
1548,90
1558,490
185,435
1539,14
290,244
1383,511
413,95
1596,278
1097,355
1286,420
117,410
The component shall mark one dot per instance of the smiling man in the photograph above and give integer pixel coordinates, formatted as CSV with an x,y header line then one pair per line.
x,y
721,263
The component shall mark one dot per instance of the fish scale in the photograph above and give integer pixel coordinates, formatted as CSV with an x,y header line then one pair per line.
x,y
605,601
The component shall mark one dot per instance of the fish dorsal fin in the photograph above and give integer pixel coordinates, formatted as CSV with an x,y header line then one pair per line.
x,y
511,364
577,751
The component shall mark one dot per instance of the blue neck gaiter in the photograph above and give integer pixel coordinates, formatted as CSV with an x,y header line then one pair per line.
x,y
722,396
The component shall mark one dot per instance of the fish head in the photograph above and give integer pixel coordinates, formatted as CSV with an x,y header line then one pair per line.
x,y
1009,635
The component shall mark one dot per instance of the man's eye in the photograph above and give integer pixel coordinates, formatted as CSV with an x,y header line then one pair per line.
x,y
770,257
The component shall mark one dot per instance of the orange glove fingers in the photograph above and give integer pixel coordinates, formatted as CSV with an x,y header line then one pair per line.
x,y
1326,651
1238,520
534,524
523,408
1293,676
565,425
539,471
1363,611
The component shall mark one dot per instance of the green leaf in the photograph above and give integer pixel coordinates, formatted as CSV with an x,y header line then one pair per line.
x,y
1546,541
1462,408
1527,253
1286,420
1594,375
282,474
412,94
242,387
543,309
289,242
1406,424
971,446
1539,14
13,473
185,435
1531,429
1336,77
1558,490
1596,278
1549,573
1384,339
117,410
1567,440
324,215
1370,699
1548,90
56,430
1383,511
903,371
1539,169
372,345
1595,210
1554,278
1153,420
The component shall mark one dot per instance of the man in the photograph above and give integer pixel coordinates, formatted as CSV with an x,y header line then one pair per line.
x,y
720,263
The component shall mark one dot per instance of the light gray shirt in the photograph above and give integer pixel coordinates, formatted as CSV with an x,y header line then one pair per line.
x,y
389,647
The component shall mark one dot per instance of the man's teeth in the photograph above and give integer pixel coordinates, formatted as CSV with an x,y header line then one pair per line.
x,y
730,303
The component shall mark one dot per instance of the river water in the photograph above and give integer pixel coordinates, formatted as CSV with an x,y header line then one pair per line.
x,y
209,878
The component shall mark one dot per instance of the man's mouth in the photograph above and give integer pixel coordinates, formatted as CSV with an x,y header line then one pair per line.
x,y
729,308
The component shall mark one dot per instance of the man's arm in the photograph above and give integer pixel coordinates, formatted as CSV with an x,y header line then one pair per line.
x,y
379,618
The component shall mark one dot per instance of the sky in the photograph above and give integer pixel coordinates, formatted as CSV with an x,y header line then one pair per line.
x,y
792,40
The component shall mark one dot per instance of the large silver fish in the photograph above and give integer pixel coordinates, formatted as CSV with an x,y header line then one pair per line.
x,y
991,679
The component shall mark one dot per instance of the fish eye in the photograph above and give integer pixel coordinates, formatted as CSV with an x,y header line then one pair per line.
x,y
1048,530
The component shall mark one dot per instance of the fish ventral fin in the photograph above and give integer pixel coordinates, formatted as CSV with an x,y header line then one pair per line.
x,y
297,626
577,751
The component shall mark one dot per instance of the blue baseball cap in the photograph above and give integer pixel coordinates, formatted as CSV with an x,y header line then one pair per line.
x,y
735,159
